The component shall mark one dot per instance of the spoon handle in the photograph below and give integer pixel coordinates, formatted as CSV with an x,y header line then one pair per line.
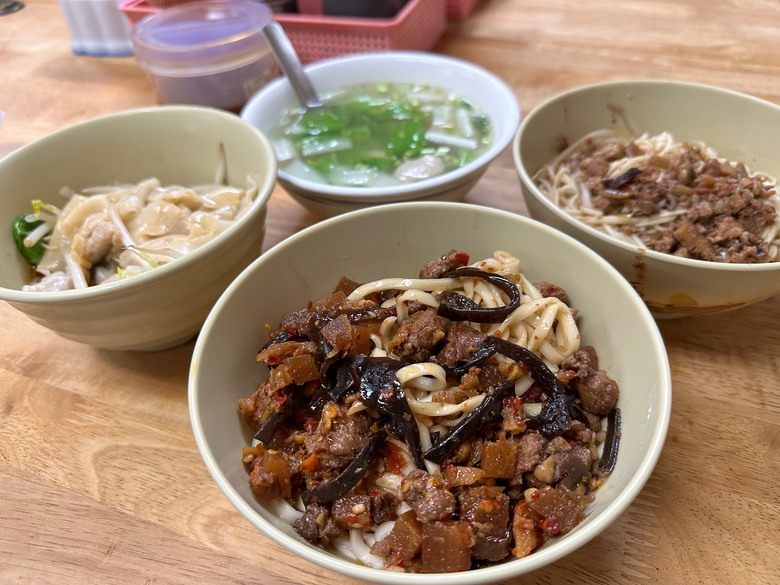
x,y
288,62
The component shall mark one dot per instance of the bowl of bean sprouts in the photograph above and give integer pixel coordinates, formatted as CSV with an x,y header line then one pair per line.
x,y
673,182
123,230
339,429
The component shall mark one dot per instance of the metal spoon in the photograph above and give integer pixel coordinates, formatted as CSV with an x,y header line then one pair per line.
x,y
290,64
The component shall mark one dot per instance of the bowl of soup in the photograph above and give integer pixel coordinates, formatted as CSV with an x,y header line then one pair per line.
x,y
327,412
673,182
394,126
138,222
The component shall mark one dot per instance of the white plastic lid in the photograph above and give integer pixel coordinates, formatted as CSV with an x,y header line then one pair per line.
x,y
201,37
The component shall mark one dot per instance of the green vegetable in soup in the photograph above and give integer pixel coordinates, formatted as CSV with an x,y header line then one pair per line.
x,y
367,132
31,249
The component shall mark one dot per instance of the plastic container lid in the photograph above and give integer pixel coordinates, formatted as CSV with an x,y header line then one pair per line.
x,y
201,37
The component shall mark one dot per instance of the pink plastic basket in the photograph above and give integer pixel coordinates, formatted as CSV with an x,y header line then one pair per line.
x,y
460,9
418,26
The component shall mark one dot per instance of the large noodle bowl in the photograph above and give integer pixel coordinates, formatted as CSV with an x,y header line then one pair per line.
x,y
432,423
657,193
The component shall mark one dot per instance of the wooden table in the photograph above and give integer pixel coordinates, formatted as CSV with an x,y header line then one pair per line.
x,y
100,479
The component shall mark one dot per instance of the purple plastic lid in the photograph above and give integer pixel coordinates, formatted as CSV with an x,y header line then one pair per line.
x,y
206,37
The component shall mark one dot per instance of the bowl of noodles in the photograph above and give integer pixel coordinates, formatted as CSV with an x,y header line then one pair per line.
x,y
430,392
672,182
122,231
395,126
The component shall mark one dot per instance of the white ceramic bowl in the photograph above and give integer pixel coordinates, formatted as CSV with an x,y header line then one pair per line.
x,y
738,126
395,240
178,144
475,84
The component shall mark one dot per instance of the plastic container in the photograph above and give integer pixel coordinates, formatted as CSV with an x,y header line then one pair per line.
x,y
135,10
210,53
97,28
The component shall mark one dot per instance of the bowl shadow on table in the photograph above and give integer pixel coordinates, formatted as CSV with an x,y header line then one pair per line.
x,y
168,368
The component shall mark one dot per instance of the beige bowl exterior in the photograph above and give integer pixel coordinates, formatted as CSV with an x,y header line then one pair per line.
x,y
395,240
178,144
738,126
478,86
325,208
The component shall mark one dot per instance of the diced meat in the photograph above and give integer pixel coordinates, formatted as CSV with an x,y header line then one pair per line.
x,y
352,511
529,452
306,322
461,342
597,391
270,475
486,509
258,408
338,438
559,513
316,525
338,333
725,211
383,506
444,264
548,289
298,322
427,496
403,543
418,335
694,242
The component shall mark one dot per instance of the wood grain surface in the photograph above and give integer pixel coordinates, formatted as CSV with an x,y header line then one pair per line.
x,y
100,479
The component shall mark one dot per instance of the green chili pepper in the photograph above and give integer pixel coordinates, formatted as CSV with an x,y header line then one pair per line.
x,y
20,229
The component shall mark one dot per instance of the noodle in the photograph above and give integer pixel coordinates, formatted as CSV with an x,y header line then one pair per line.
x,y
438,401
537,320
656,193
